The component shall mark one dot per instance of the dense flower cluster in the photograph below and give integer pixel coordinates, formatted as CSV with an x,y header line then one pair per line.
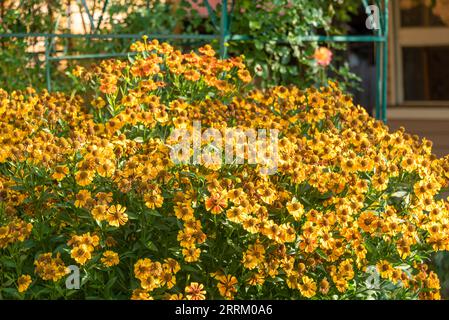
x,y
16,230
353,210
49,268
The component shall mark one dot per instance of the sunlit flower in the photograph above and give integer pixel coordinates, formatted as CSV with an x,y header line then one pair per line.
x,y
323,56
195,291
110,258
227,286
307,287
23,282
116,215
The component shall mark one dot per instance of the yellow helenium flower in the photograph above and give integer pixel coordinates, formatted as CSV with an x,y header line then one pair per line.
x,y
110,258
307,287
81,254
195,291
23,282
116,215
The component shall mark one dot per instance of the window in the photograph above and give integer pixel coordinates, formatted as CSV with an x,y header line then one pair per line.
x,y
426,73
421,51
422,13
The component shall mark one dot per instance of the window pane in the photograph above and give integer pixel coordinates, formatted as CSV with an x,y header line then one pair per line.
x,y
424,13
425,73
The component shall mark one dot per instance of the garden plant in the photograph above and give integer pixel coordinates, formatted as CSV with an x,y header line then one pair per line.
x,y
88,180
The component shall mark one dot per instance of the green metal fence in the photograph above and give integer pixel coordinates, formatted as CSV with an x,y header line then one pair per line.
x,y
224,36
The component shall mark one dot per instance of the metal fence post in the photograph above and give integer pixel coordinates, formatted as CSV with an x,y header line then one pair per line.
x,y
211,13
378,80
101,16
89,15
47,64
224,32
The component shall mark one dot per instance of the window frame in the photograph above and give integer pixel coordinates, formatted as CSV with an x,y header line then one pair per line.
x,y
413,37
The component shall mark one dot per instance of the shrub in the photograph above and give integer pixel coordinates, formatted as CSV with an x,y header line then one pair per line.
x,y
350,211
274,55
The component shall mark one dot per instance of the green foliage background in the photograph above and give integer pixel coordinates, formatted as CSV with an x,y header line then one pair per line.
x,y
268,23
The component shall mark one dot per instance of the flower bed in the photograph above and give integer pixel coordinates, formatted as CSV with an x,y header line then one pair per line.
x,y
351,210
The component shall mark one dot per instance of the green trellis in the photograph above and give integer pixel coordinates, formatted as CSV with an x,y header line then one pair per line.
x,y
223,36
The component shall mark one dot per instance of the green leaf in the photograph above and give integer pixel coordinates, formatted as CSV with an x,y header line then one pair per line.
x,y
150,245
258,44
11,292
154,213
255,24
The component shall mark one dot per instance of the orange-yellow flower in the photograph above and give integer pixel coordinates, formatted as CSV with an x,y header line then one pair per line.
x,y
82,197
60,173
216,203
307,287
323,56
84,178
385,269
191,254
81,254
23,282
116,215
195,291
227,286
110,258
244,75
